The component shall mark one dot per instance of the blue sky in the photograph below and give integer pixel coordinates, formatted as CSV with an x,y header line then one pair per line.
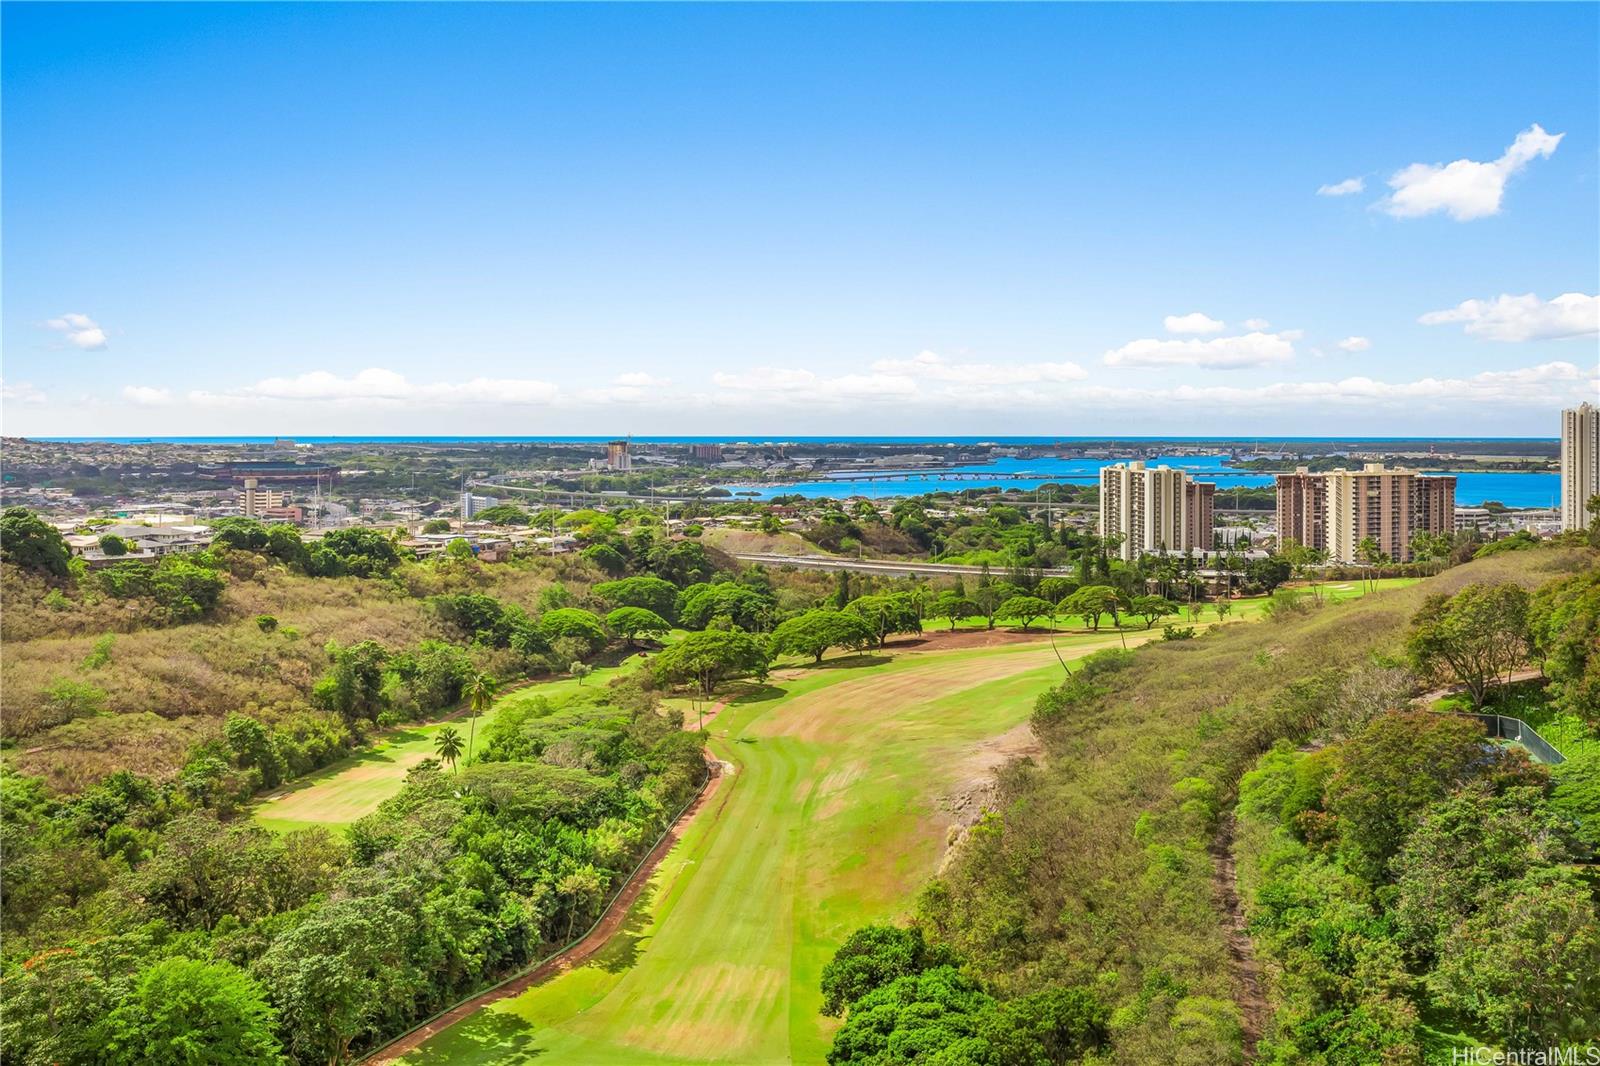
x,y
799,219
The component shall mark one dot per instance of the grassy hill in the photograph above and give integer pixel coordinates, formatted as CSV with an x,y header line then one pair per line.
x,y
1095,868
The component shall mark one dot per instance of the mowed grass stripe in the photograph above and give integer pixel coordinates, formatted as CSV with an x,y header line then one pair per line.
x,y
830,822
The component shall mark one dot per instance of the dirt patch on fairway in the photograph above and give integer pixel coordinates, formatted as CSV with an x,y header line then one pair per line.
x,y
946,640
974,790
815,716
597,938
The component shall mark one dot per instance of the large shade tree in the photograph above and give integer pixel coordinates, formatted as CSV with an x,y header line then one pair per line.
x,y
814,632
187,1011
887,614
709,658
1476,637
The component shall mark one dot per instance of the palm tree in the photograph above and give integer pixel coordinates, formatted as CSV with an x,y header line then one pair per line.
x,y
480,697
1370,554
448,745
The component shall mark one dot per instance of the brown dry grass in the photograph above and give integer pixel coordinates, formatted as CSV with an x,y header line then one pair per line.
x,y
166,688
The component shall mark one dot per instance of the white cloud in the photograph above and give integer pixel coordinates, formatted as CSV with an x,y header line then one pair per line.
x,y
1524,318
1543,387
1194,322
80,330
1465,189
1219,353
146,396
640,380
934,367
1548,384
1257,324
1347,187
791,384
379,387
21,392
1355,344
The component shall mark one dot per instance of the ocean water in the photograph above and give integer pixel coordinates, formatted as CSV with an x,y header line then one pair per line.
x,y
1511,489
1472,487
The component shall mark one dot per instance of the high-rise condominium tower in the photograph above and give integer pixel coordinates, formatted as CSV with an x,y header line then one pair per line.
x,y
1155,509
1580,463
1335,511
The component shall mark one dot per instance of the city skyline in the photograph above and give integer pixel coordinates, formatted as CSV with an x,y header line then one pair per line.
x,y
331,220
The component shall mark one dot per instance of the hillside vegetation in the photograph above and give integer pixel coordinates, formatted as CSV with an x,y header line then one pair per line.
x,y
1083,911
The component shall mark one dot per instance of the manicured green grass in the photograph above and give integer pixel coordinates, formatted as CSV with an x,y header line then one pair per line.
x,y
829,820
1243,607
352,788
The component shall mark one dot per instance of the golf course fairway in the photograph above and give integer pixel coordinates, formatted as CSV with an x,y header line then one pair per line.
x,y
831,817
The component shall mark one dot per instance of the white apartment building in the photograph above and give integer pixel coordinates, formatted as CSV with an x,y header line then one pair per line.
x,y
1580,463
1155,509
471,505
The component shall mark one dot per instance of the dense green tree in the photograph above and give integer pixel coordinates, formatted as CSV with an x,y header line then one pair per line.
x,y
239,533
185,590
1026,609
1475,637
651,593
1266,574
1527,965
1464,850
913,1018
1152,609
353,686
953,605
503,514
682,562
113,545
182,1012
871,957
573,623
887,614
285,545
701,605
433,673
708,658
341,974
1393,769
815,631
1091,602
252,745
356,551
1564,627
607,558
632,623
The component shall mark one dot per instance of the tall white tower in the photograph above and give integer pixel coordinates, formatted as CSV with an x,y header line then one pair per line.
x,y
1580,463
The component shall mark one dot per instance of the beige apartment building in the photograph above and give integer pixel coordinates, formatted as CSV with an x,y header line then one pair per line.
x,y
1302,506
1335,511
1580,463
255,501
1155,509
